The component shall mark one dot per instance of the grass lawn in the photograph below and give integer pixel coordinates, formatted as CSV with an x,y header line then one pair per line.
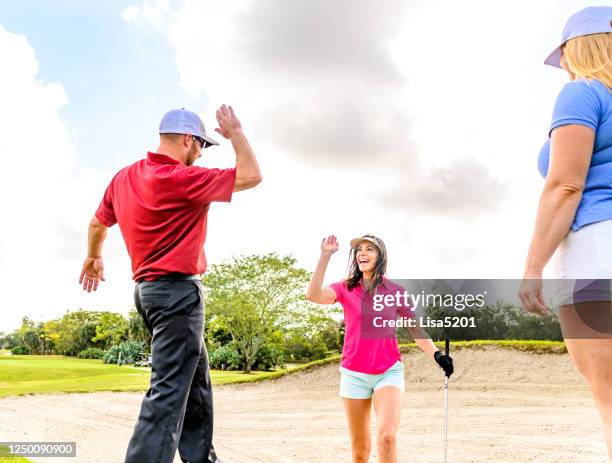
x,y
36,374
39,374
25,374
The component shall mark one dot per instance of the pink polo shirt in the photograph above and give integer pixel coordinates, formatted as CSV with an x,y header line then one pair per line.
x,y
370,345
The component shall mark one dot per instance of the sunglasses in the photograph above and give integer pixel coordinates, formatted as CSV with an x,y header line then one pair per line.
x,y
203,142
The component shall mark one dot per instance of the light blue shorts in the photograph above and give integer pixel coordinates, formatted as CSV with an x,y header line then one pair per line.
x,y
356,385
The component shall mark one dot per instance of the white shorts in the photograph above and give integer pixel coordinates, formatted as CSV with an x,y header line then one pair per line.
x,y
357,385
583,265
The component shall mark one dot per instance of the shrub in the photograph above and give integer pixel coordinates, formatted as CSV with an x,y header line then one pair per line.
x,y
21,350
91,353
268,358
129,351
225,357
301,347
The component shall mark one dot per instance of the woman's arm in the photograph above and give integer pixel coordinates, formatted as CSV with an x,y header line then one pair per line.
x,y
571,149
316,292
423,340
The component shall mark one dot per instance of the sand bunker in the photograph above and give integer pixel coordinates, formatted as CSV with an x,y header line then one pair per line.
x,y
504,406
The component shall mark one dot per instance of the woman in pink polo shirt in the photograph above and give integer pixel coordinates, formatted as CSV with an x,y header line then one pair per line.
x,y
371,368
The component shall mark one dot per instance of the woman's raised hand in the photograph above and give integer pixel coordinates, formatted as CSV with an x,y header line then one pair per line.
x,y
329,245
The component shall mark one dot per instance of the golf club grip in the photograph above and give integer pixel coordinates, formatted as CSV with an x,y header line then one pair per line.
x,y
447,344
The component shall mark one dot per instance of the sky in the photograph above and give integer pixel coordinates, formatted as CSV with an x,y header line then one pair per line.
x,y
417,121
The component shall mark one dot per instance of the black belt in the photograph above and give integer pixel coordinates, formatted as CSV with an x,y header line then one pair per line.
x,y
175,277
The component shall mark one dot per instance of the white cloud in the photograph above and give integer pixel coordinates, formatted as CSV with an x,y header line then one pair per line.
x,y
131,14
151,12
37,158
412,119
46,201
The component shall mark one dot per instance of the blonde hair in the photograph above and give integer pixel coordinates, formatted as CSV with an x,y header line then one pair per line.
x,y
590,56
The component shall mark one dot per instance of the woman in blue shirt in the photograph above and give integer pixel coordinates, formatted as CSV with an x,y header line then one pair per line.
x,y
574,216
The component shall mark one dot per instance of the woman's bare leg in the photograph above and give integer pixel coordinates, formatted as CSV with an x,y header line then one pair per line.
x,y
388,407
586,329
358,416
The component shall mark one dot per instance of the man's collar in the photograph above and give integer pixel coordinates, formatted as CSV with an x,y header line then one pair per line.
x,y
162,158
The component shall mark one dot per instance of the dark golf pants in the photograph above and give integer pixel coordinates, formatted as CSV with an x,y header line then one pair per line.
x,y
177,410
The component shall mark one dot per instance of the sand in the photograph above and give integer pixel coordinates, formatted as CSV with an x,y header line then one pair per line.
x,y
504,406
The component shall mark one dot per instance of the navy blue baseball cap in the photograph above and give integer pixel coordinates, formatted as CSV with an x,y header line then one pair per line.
x,y
588,21
185,122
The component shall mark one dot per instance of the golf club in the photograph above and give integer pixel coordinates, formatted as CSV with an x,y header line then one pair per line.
x,y
447,351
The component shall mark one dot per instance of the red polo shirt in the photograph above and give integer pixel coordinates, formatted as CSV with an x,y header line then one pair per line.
x,y
161,206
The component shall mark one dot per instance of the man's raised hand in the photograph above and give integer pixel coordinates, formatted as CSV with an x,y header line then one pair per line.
x,y
229,124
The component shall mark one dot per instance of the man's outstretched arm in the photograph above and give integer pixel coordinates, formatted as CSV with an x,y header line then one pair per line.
x,y
93,267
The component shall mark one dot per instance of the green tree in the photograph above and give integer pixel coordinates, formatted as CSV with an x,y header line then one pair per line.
x,y
301,347
50,336
216,334
75,332
137,329
112,328
254,296
30,335
9,340
332,335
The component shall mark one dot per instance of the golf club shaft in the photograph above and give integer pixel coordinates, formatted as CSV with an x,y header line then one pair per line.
x,y
447,349
445,417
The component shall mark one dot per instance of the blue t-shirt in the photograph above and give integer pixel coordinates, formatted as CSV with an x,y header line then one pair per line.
x,y
587,103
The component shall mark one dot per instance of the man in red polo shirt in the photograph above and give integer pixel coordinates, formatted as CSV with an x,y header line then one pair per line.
x,y
161,205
